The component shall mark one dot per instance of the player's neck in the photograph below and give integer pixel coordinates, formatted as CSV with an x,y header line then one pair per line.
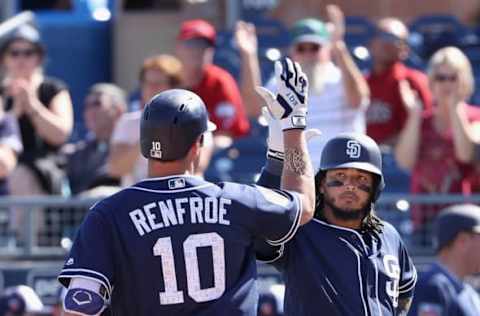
x,y
158,169
453,265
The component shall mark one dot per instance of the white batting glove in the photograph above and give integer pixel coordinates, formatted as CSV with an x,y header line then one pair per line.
x,y
275,135
290,104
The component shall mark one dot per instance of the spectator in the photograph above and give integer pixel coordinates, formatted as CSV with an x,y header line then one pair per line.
x,y
441,289
10,146
87,158
338,92
438,146
157,74
21,300
195,48
386,115
44,112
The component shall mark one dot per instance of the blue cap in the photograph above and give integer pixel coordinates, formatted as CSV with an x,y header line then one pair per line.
x,y
455,219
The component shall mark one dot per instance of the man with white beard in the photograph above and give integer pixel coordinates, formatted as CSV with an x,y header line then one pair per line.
x,y
338,94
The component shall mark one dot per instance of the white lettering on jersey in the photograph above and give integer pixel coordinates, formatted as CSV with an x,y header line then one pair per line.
x,y
392,269
172,212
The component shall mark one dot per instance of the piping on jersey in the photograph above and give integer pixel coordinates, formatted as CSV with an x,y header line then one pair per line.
x,y
376,287
172,191
359,273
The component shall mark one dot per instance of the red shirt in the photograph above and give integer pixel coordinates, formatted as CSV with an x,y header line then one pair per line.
x,y
222,97
437,170
386,114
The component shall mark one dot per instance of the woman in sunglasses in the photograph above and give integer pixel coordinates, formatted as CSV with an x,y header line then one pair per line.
x,y
43,108
438,146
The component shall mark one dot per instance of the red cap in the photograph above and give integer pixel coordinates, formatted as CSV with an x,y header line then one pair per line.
x,y
197,29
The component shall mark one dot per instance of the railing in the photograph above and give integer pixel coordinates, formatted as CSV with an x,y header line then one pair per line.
x,y
49,223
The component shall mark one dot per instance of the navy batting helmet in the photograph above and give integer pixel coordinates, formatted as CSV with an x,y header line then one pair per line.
x,y
354,150
171,123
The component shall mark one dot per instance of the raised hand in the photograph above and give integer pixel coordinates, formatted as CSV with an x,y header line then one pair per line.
x,y
409,97
337,19
291,102
246,37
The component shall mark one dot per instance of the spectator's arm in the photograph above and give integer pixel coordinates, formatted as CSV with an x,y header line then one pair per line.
x,y
246,39
122,158
53,124
406,148
463,133
8,160
355,85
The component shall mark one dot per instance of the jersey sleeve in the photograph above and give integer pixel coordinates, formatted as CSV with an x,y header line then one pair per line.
x,y
277,214
91,256
408,274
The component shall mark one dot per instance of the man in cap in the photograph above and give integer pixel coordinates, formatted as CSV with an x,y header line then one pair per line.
x,y
389,80
195,49
441,289
338,93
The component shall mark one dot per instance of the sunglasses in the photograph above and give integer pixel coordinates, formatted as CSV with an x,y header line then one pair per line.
x,y
22,53
311,48
444,78
388,37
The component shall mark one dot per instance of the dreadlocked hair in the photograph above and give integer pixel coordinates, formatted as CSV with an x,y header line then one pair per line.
x,y
371,222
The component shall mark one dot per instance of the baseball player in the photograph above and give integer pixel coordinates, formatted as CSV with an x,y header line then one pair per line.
x,y
441,289
346,261
175,244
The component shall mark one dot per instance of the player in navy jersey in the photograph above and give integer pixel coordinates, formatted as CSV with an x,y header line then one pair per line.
x,y
346,261
175,244
441,289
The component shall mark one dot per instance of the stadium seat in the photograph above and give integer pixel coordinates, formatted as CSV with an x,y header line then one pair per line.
x,y
359,31
437,31
241,162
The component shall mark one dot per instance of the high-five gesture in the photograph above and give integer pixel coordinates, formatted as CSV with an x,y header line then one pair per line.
x,y
290,104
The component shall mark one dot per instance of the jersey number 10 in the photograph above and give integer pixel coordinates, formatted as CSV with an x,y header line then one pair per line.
x,y
163,248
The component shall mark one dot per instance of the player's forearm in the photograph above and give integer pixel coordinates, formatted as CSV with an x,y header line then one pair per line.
x,y
297,174
404,306
355,85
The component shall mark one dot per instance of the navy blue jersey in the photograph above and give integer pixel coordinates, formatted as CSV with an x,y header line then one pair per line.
x,y
180,245
439,293
339,271
332,270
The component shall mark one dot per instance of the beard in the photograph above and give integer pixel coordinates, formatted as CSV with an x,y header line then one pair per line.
x,y
315,72
347,213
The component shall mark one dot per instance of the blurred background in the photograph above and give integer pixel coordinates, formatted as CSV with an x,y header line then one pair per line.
x,y
92,41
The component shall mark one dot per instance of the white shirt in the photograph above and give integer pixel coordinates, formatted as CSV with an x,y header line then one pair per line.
x,y
330,112
127,131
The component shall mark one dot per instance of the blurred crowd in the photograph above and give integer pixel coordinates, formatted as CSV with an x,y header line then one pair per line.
x,y
422,119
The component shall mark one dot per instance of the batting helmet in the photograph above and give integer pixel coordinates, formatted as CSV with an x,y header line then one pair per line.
x,y
354,150
171,122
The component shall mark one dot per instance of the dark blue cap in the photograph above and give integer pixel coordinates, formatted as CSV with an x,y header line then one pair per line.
x,y
455,219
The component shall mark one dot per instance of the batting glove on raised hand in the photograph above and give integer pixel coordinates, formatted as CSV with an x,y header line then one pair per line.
x,y
275,135
290,104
